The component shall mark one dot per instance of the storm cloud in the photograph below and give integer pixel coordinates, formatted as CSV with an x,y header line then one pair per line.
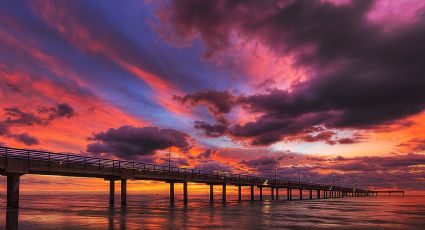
x,y
362,75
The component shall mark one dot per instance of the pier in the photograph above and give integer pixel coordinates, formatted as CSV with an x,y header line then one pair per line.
x,y
15,163
389,192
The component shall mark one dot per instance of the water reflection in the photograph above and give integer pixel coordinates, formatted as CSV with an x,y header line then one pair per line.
x,y
11,219
155,212
117,215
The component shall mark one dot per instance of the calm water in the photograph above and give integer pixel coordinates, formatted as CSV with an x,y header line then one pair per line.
x,y
154,212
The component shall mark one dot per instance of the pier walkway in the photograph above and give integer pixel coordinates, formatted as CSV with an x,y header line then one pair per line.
x,y
16,162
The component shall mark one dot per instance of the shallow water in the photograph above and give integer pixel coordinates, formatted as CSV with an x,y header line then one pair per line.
x,y
154,211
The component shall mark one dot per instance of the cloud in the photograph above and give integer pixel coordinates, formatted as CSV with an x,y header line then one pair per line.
x,y
207,154
330,138
361,75
211,130
213,165
130,142
405,171
26,139
61,110
217,102
415,144
17,117
263,163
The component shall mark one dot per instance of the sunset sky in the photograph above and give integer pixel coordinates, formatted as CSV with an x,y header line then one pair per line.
x,y
324,87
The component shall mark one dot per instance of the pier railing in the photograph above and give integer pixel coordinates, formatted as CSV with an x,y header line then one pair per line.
x,y
72,160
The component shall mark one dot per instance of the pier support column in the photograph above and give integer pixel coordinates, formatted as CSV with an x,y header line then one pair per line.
x,y
318,194
301,193
261,193
171,192
289,193
252,192
13,190
185,192
272,193
311,194
111,191
211,192
123,192
239,192
277,193
224,192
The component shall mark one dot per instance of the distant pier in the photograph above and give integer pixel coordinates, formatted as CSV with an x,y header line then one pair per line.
x,y
389,192
16,162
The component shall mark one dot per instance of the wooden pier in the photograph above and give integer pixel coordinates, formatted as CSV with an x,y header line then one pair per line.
x,y
16,162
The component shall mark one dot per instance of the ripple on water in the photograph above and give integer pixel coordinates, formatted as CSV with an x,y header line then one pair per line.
x,y
153,212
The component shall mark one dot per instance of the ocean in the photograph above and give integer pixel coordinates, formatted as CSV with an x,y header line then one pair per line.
x,y
155,212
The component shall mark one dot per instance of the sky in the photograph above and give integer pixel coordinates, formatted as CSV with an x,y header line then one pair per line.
x,y
318,88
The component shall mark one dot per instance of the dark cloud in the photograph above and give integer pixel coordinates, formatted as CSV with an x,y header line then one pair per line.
x,y
61,110
217,102
264,163
129,142
26,139
330,138
15,116
364,76
211,130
